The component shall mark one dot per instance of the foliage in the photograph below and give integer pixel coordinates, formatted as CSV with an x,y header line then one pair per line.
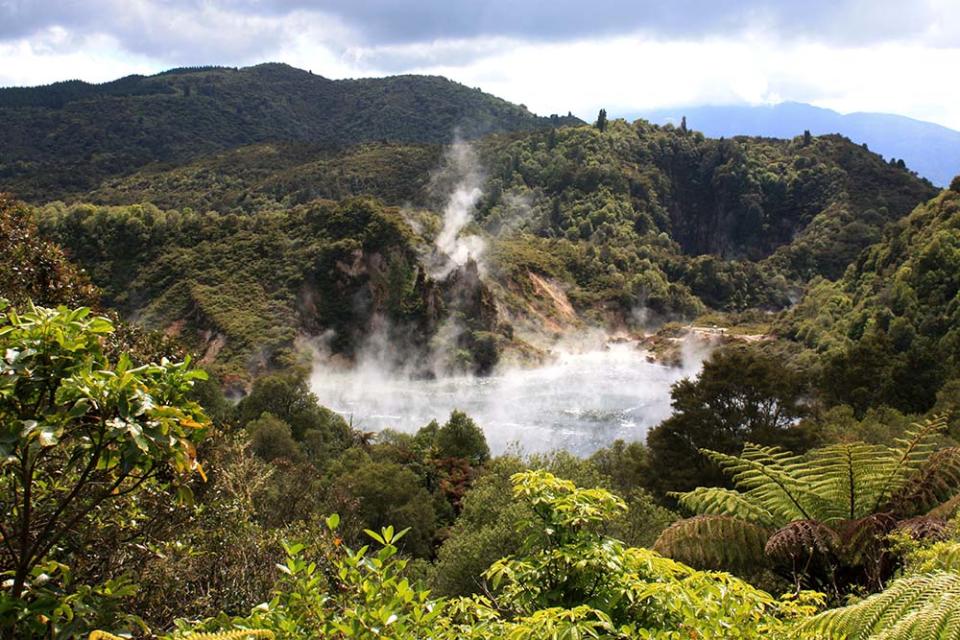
x,y
742,394
222,557
83,439
33,268
888,329
389,493
271,439
824,515
242,289
348,594
570,581
919,606
67,137
287,398
460,437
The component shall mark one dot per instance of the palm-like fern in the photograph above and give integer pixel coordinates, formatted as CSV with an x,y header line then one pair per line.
x,y
827,509
911,608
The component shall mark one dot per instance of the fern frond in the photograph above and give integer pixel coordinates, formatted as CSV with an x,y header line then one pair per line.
x,y
936,482
803,541
714,542
765,475
922,606
913,452
947,510
717,501
926,528
864,544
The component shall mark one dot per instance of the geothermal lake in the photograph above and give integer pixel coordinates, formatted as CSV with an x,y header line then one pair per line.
x,y
579,402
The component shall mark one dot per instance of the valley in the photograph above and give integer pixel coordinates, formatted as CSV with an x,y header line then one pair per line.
x,y
293,357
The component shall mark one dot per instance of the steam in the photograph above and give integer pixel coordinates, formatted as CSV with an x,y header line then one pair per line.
x,y
581,401
453,247
593,391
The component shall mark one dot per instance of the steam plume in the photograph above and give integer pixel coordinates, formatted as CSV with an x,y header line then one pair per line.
x,y
453,247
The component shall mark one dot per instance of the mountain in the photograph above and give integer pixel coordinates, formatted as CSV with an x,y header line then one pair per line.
x,y
245,251
929,149
67,137
889,329
246,209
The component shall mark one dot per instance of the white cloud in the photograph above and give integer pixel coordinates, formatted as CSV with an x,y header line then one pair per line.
x,y
627,74
44,59
623,74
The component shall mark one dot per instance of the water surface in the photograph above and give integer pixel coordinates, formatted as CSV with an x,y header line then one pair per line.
x,y
580,402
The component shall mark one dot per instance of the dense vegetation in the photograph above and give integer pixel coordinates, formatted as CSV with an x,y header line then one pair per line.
x,y
632,218
67,137
240,289
888,331
817,459
94,450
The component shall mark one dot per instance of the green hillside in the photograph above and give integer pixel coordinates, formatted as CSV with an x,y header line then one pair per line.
x,y
257,218
65,138
889,329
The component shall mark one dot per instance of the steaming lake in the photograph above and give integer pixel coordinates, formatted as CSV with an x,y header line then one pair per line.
x,y
581,402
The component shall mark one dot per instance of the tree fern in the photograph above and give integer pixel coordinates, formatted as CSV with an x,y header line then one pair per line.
x,y
932,485
803,542
767,477
913,608
724,502
714,542
833,505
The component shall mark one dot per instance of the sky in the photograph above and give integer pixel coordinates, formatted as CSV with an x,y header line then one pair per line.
x,y
554,56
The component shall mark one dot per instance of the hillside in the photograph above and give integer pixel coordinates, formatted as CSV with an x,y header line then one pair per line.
x,y
632,224
889,329
933,151
211,203
67,137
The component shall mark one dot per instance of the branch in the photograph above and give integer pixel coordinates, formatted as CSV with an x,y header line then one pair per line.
x,y
81,482
39,552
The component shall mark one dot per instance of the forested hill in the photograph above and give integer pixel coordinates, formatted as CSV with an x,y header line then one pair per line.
x,y
929,149
66,137
241,251
888,331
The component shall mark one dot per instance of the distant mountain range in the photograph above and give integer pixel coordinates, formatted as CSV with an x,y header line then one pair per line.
x,y
933,151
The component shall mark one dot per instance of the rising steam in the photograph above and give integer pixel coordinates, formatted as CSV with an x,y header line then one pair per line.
x,y
453,247
580,402
594,390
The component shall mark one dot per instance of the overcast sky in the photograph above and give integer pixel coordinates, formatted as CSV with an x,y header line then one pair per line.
x,y
896,56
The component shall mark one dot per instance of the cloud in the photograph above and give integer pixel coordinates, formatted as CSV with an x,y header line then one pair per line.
x,y
232,26
874,55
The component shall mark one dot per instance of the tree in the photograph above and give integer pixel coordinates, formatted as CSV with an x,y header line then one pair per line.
x,y
568,569
822,517
389,493
742,394
33,268
79,434
288,398
460,437
271,439
602,120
